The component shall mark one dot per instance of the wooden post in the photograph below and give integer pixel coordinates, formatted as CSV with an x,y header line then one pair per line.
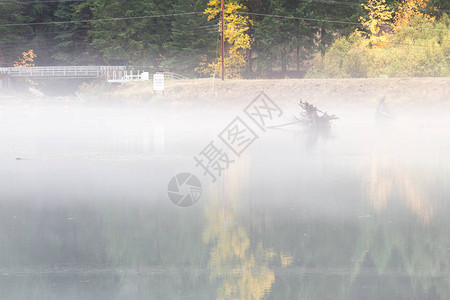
x,y
223,43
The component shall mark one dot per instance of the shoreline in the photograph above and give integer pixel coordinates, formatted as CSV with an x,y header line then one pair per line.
x,y
335,91
354,89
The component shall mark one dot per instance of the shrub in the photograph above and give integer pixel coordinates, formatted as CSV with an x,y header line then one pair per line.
x,y
422,49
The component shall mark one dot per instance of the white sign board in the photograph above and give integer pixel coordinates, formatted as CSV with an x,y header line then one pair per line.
x,y
158,82
145,76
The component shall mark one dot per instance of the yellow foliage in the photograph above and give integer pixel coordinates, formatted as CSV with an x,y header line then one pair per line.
x,y
408,10
235,36
234,66
379,21
26,60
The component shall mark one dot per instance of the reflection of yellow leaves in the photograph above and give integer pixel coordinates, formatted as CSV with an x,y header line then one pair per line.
x,y
243,271
240,266
286,260
416,201
240,242
381,187
380,184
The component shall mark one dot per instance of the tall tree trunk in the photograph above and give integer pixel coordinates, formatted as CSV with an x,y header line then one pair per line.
x,y
322,40
283,62
249,63
298,44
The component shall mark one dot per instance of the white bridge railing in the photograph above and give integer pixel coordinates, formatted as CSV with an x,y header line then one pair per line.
x,y
62,71
121,77
130,76
113,74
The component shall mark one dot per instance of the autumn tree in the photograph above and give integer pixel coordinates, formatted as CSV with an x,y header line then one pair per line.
x,y
27,59
408,10
379,21
236,37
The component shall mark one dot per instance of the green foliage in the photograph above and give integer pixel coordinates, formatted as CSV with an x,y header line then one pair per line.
x,y
125,41
190,39
281,43
345,58
419,50
275,38
71,38
11,38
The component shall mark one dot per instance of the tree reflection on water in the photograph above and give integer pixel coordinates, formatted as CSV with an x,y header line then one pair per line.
x,y
239,266
373,226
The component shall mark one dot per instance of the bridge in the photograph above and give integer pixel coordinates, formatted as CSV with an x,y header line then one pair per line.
x,y
113,74
64,72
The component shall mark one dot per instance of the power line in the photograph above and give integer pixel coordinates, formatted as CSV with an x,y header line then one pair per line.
x,y
78,31
333,2
100,20
15,43
297,18
327,20
339,3
208,26
45,32
188,13
343,3
405,44
39,2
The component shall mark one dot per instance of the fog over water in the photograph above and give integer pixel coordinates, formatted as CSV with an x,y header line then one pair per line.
x,y
356,212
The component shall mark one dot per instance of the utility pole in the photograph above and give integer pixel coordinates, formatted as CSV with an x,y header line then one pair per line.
x,y
223,45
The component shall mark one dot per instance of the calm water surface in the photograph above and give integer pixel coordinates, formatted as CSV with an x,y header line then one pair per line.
x,y
359,213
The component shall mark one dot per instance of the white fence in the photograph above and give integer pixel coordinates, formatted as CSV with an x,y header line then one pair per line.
x,y
130,76
62,71
113,74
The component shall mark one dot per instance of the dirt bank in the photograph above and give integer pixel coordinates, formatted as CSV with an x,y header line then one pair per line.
x,y
397,90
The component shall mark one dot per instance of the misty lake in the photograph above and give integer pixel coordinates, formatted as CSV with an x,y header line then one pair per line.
x,y
360,212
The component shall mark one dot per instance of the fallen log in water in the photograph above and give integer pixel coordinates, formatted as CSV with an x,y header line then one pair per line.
x,y
313,117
